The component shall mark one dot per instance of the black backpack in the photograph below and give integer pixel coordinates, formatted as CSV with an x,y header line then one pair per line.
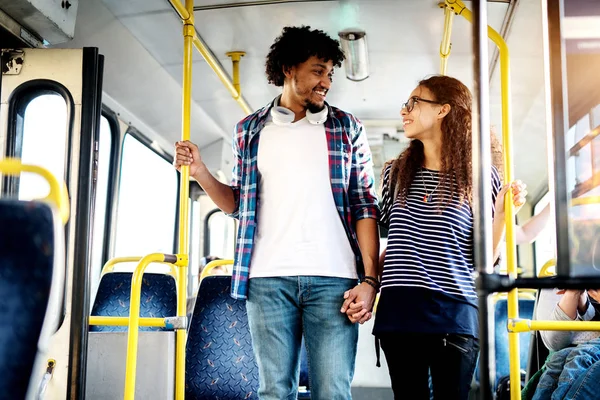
x,y
503,390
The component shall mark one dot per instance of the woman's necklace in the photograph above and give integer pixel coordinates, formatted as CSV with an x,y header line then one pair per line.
x,y
428,196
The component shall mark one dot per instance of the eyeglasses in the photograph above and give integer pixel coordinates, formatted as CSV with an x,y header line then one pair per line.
x,y
410,104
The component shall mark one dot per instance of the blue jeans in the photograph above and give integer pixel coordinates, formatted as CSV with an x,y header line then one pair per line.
x,y
280,311
586,386
565,369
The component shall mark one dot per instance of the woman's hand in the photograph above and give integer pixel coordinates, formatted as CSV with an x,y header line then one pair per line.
x,y
519,194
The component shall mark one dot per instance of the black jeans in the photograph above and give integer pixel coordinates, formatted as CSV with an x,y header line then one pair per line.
x,y
450,359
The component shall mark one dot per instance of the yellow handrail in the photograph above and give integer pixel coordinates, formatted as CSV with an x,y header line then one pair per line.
x,y
58,194
218,69
546,270
189,33
134,315
513,296
110,265
183,12
446,44
213,264
124,321
580,201
527,325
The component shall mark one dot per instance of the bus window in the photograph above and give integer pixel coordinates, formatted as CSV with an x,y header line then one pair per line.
x,y
544,245
221,235
100,205
147,203
43,142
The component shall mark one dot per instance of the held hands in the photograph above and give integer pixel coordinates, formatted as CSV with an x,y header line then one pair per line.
x,y
358,303
519,193
187,153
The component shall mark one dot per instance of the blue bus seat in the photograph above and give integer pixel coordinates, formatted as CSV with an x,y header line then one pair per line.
x,y
30,253
220,362
526,311
158,299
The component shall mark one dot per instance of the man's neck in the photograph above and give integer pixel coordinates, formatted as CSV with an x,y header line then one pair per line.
x,y
287,100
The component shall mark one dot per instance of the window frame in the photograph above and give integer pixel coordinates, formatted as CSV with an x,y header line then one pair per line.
x,y
113,176
19,99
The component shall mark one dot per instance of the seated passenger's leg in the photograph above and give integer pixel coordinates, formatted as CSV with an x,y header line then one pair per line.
x,y
577,363
549,379
452,366
408,357
275,325
331,339
586,386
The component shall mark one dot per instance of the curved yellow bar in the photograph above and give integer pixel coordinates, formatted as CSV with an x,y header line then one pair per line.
x,y
110,265
134,322
213,264
58,195
546,270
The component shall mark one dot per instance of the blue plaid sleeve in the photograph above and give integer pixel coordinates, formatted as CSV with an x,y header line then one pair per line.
x,y
236,173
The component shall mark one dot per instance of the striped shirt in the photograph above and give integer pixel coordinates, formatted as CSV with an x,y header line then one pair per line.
x,y
350,174
429,258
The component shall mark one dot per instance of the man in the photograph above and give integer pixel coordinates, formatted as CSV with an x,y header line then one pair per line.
x,y
302,189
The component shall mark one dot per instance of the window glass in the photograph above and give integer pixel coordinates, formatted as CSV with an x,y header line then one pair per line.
x,y
222,235
147,202
44,142
545,242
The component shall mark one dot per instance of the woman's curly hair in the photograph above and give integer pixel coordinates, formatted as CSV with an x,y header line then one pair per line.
x,y
456,159
295,45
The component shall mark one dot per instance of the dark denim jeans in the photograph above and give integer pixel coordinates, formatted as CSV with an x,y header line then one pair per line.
x,y
411,357
280,310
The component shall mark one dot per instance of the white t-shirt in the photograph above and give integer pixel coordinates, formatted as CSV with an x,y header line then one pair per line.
x,y
299,230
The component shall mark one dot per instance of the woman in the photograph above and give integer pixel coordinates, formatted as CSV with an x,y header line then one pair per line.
x,y
427,313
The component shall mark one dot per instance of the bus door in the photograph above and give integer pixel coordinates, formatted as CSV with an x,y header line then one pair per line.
x,y
49,115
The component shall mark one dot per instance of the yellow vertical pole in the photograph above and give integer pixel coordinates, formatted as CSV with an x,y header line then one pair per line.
x,y
511,251
183,242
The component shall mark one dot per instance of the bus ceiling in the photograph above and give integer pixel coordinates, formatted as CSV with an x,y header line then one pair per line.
x,y
37,23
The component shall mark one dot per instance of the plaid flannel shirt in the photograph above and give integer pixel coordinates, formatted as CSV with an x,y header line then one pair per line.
x,y
351,175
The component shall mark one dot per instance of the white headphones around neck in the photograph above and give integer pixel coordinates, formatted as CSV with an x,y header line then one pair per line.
x,y
283,116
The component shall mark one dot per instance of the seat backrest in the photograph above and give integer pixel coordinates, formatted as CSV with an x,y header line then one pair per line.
x,y
219,358
526,311
27,256
526,307
158,299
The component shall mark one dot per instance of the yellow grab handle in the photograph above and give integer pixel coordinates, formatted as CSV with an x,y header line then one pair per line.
x,y
58,195
213,264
